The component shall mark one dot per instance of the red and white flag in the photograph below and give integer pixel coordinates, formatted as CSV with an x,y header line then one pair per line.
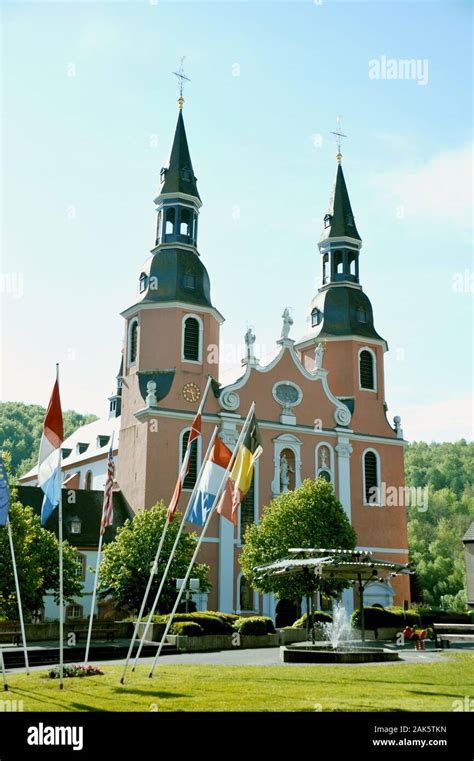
x,y
108,507
194,433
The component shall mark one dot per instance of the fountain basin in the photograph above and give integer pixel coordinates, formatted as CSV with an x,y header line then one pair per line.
x,y
323,654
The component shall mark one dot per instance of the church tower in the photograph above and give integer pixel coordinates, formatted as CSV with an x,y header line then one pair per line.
x,y
341,317
171,339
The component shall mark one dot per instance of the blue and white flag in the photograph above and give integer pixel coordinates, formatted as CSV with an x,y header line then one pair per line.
x,y
4,494
211,479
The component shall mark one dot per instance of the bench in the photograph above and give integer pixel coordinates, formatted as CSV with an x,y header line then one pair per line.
x,y
447,633
10,635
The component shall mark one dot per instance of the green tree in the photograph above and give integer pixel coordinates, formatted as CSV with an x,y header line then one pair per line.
x,y
125,567
21,426
37,559
310,516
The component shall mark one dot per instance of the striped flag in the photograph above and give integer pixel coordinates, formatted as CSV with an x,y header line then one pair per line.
x,y
49,460
108,506
211,479
194,433
240,478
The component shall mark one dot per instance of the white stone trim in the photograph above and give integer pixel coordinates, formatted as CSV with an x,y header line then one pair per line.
x,y
285,441
136,308
375,369
379,480
198,319
344,450
309,340
134,321
193,200
330,469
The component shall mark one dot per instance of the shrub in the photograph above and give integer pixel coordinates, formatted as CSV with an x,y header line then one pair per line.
x,y
255,626
410,617
211,623
230,617
187,629
378,618
319,617
430,616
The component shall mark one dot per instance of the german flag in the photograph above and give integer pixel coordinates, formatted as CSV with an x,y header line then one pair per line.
x,y
240,477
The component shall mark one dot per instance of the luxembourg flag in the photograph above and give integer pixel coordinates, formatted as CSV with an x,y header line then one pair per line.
x,y
211,479
49,461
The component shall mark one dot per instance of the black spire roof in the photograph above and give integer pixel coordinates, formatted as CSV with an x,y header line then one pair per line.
x,y
179,177
340,216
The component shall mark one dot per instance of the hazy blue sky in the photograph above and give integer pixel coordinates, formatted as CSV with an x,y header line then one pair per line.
x,y
90,106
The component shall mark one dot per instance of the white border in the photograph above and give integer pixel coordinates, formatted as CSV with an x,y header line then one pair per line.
x,y
133,322
379,480
374,359
317,470
201,338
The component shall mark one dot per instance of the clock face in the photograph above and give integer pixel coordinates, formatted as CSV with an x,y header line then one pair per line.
x,y
191,392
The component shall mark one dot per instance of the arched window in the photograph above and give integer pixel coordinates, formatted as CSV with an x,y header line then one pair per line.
x,y
192,339
143,282
170,221
88,481
246,601
367,375
191,476
158,227
132,342
371,468
185,223
324,461
325,268
338,262
316,317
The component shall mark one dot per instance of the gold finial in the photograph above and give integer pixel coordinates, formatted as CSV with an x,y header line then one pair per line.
x,y
182,79
338,135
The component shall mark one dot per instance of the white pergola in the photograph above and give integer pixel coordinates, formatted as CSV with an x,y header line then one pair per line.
x,y
353,566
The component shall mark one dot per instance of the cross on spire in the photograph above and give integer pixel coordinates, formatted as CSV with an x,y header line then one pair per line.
x,y
338,134
182,79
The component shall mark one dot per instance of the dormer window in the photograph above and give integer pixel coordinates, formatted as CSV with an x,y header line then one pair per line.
x,y
316,317
350,220
163,174
327,221
75,525
81,447
102,441
143,282
189,281
361,315
186,174
65,452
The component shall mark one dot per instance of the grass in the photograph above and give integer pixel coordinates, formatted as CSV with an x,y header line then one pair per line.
x,y
395,687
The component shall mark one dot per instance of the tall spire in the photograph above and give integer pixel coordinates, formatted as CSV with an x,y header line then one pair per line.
x,y
179,176
339,221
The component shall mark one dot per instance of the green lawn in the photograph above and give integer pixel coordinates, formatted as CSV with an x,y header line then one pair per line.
x,y
395,687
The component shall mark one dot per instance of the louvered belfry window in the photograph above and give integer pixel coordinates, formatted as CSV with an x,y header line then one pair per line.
x,y
371,480
367,375
247,511
191,339
191,476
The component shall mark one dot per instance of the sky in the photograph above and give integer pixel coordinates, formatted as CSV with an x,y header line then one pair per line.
x,y
89,104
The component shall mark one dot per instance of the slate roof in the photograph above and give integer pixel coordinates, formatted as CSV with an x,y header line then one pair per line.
x,y
180,175
87,507
469,535
342,222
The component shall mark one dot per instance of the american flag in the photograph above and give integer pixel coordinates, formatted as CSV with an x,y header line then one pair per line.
x,y
107,507
194,433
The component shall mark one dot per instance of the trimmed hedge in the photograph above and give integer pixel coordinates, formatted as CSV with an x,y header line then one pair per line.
x,y
430,616
380,618
230,617
211,623
255,626
187,629
319,617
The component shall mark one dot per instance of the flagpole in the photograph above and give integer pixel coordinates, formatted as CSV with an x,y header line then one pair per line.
x,y
61,580
18,597
171,556
99,552
4,673
204,529
154,567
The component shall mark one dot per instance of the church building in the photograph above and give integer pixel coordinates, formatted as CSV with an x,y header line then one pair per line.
x,y
320,403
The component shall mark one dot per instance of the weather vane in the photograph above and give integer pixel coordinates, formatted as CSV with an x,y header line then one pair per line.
x,y
338,135
182,79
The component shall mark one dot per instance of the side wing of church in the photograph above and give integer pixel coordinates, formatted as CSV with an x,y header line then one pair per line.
x,y
320,403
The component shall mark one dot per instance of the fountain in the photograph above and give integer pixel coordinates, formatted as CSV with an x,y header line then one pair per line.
x,y
341,645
